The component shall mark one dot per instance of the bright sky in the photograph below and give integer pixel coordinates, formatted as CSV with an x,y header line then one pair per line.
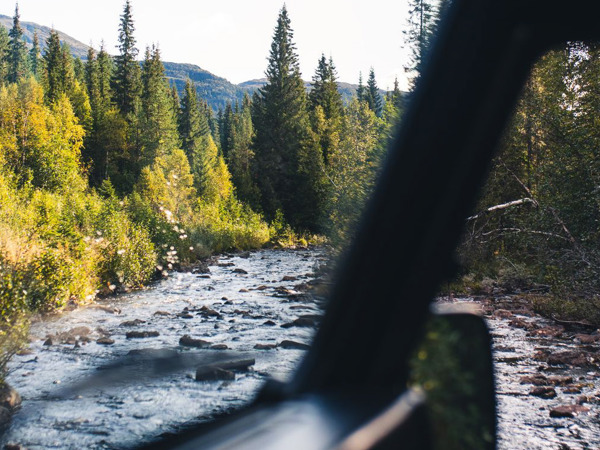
x,y
231,38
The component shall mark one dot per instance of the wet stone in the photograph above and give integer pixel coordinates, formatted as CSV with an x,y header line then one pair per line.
x,y
269,323
265,346
546,392
570,357
188,341
240,271
289,278
105,341
141,334
215,374
587,338
244,290
536,380
162,313
219,347
286,344
48,342
79,331
132,323
568,411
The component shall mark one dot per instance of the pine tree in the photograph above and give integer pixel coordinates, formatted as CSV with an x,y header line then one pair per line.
x,y
54,81
325,95
105,75
360,90
422,25
34,56
158,122
226,126
372,96
4,54
127,70
287,155
240,155
17,67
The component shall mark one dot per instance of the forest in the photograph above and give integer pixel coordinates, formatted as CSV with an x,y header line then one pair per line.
x,y
110,177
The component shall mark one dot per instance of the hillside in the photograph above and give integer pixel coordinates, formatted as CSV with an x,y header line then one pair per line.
x,y
77,48
348,90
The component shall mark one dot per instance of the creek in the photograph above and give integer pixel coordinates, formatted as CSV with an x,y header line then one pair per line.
x,y
242,302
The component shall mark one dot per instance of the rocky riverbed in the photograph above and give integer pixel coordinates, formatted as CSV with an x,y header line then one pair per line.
x,y
547,377
129,368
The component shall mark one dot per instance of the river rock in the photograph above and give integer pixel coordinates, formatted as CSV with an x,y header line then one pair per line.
x,y
214,374
587,338
185,315
79,331
162,313
568,410
208,370
269,323
219,347
536,380
301,322
132,323
546,392
9,398
244,255
227,264
503,314
207,312
48,342
105,341
560,380
188,341
244,290
570,357
289,278
265,346
141,334
286,344
240,271
553,332
262,288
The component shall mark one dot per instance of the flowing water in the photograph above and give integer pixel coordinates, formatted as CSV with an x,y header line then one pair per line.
x,y
226,307
243,302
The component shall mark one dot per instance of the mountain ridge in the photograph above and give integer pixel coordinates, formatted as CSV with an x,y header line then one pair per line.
x,y
216,90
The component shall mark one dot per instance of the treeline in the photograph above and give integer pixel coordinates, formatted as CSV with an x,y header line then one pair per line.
x,y
109,175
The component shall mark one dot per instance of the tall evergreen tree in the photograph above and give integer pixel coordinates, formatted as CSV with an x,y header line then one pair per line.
x,y
326,107
361,91
54,80
4,53
158,122
34,56
240,155
289,163
17,67
127,70
372,96
226,126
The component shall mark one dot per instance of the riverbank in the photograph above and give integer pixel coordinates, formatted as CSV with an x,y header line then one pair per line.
x,y
547,376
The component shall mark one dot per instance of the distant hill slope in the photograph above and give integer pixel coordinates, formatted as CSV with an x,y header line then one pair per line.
x,y
77,48
347,90
217,91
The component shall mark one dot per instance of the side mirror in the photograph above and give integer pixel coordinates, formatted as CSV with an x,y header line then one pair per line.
x,y
453,367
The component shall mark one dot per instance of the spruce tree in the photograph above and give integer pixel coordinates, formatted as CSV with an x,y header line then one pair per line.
x,y
226,126
240,156
4,54
34,56
289,163
53,77
325,95
127,70
195,135
158,122
422,24
17,66
372,96
361,90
